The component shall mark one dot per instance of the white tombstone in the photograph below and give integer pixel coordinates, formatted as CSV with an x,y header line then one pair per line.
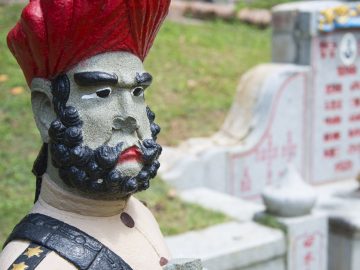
x,y
288,207
307,240
304,110
331,48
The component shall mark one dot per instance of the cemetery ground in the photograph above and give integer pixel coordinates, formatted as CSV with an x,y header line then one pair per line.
x,y
196,69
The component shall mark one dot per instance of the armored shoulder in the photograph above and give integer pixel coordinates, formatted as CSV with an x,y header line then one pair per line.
x,y
47,234
25,255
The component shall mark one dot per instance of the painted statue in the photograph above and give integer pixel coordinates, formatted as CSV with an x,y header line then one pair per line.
x,y
83,61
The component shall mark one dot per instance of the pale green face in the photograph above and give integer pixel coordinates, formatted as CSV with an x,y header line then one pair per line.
x,y
111,104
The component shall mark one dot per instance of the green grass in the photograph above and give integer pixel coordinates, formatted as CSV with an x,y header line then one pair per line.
x,y
262,4
196,70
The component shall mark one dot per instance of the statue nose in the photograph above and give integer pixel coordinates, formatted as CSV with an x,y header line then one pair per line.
x,y
127,124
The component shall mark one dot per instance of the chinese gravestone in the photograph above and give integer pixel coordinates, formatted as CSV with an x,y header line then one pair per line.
x,y
304,109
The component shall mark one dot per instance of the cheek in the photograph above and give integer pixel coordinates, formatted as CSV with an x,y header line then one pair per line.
x,y
97,124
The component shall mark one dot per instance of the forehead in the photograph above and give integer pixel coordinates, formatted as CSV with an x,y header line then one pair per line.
x,y
125,65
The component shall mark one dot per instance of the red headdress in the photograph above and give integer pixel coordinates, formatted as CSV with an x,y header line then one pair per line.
x,y
54,35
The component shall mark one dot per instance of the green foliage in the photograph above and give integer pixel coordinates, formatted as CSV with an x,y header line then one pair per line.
x,y
262,4
195,68
270,221
19,141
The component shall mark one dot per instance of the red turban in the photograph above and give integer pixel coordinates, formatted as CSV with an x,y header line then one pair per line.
x,y
54,35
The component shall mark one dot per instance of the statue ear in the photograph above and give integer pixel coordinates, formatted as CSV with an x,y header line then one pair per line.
x,y
42,106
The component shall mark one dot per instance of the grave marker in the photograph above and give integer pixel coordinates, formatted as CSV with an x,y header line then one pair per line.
x,y
304,110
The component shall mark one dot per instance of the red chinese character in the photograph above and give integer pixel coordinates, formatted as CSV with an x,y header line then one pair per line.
x,y
309,241
330,153
309,258
355,117
346,70
245,184
333,88
333,120
355,86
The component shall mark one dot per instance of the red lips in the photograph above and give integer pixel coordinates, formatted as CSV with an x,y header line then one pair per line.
x,y
131,154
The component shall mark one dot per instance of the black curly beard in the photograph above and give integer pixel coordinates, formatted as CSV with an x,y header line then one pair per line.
x,y
93,171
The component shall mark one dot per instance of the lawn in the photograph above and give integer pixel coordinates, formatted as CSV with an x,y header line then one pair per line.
x,y
262,4
196,69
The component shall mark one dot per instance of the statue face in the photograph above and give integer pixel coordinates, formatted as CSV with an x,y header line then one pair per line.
x,y
103,141
111,103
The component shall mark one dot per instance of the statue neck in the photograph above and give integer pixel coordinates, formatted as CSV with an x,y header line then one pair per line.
x,y
64,200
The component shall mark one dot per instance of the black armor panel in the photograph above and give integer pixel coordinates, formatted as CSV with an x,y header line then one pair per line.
x,y
72,244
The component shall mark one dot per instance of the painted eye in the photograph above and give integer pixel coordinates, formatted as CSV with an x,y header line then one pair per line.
x,y
103,93
138,91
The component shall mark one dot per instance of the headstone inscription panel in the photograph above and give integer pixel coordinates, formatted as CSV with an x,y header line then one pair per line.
x,y
328,39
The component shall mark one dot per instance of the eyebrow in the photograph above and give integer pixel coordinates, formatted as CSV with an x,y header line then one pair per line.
x,y
144,79
94,78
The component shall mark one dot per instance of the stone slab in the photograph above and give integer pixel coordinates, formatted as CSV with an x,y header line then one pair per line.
x,y
231,206
230,246
184,264
341,203
344,241
276,264
307,239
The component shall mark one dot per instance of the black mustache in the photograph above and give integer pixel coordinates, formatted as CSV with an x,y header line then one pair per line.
x,y
88,165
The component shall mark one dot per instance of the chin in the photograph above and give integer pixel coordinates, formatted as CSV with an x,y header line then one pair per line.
x,y
130,168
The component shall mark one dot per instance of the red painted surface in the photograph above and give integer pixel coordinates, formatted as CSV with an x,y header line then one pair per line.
x,y
333,105
332,136
331,152
333,121
356,102
344,166
334,88
354,132
355,117
346,70
246,183
54,35
355,86
328,49
131,154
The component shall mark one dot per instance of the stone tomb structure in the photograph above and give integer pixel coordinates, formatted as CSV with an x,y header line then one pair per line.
x,y
303,109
